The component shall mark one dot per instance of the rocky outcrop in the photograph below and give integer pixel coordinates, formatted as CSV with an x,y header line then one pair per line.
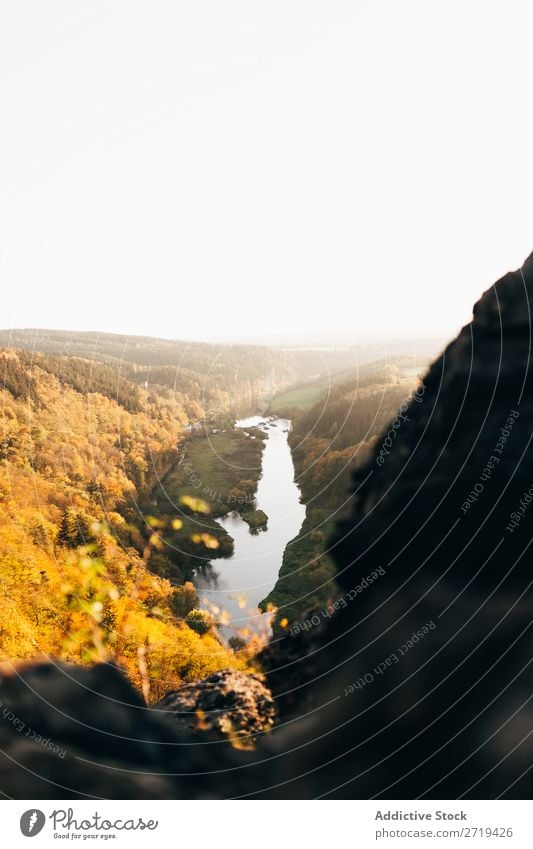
x,y
228,705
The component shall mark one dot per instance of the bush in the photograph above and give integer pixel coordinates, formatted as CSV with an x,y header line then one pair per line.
x,y
199,620
184,600
237,644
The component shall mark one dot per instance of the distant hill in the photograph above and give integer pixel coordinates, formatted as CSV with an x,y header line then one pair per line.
x,y
214,377
219,376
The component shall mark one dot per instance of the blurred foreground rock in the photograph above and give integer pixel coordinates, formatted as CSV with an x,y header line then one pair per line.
x,y
68,731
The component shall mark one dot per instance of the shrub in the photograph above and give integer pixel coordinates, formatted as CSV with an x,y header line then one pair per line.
x,y
199,620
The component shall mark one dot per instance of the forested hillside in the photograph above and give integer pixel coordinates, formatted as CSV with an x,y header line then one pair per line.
x,y
204,379
81,451
328,441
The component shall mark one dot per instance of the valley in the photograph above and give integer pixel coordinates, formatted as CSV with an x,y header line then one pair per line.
x,y
149,518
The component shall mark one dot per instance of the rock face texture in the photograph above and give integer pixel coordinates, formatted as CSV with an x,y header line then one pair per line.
x,y
419,687
228,705
69,731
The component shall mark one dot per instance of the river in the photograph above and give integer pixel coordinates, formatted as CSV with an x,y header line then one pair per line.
x,y
238,583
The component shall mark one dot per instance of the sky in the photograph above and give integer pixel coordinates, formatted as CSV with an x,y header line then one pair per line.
x,y
227,168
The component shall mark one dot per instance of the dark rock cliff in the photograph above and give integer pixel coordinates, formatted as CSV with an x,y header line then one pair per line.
x,y
421,684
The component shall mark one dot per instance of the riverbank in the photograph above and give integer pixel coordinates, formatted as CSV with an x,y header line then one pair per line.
x,y
217,472
234,587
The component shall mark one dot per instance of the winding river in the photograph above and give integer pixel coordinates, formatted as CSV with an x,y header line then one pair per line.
x,y
238,583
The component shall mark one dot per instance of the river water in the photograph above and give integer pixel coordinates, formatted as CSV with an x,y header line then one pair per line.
x,y
238,583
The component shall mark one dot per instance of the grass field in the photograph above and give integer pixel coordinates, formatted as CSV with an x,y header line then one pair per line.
x,y
303,397
215,464
221,469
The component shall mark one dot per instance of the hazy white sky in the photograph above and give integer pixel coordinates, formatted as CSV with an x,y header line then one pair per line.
x,y
207,167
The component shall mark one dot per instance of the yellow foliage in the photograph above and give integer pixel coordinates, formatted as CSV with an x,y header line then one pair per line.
x,y
70,588
197,505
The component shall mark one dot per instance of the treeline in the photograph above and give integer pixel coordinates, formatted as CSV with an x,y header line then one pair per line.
x,y
84,376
